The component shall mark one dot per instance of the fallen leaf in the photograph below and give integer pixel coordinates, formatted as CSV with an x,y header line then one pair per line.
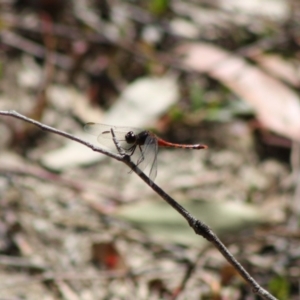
x,y
161,221
106,255
139,105
276,105
287,70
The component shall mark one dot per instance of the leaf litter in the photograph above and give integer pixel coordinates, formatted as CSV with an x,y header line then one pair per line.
x,y
66,234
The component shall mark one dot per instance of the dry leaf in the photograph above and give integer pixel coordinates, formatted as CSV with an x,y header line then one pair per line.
x,y
287,70
276,105
139,105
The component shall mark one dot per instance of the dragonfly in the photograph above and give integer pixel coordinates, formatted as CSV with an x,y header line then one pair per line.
x,y
141,145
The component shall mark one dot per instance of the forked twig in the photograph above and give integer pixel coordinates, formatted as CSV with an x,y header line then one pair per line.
x,y
117,144
198,226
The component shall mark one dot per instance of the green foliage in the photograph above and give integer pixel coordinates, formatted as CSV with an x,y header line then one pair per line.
x,y
280,288
158,7
176,114
196,94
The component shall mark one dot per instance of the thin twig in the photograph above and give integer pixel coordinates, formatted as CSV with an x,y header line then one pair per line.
x,y
117,144
44,127
199,227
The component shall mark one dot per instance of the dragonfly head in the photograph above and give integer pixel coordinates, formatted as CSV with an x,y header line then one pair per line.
x,y
130,137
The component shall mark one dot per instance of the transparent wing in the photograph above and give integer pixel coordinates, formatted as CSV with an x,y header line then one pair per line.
x,y
143,156
153,170
103,132
147,157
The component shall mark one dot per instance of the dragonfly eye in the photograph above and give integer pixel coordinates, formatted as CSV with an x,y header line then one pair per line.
x,y
130,137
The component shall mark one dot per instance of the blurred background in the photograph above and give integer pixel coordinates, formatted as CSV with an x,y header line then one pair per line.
x,y
75,224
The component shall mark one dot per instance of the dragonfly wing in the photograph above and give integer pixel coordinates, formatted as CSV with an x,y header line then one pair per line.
x,y
105,138
142,156
148,156
153,170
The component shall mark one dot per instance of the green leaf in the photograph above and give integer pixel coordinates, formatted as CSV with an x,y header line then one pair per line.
x,y
280,287
158,7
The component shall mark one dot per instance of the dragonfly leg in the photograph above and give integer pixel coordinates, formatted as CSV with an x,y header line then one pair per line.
x,y
130,150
